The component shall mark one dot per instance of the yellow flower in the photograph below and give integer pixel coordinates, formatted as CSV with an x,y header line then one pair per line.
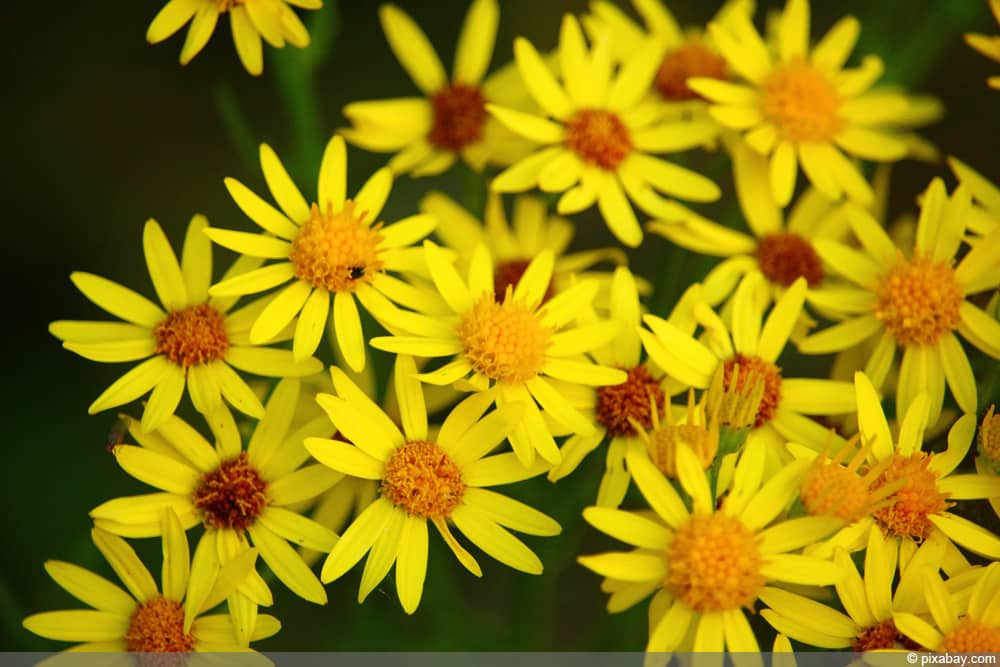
x,y
332,249
515,348
869,600
707,564
432,132
421,479
800,106
984,216
250,20
917,303
987,45
781,250
597,147
192,341
234,492
959,625
752,348
988,448
145,619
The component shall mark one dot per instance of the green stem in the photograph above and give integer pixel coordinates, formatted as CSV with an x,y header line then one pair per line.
x,y
235,122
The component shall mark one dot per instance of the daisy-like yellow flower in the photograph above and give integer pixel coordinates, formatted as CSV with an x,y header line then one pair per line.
x,y
193,341
800,106
988,45
707,564
752,348
440,480
925,483
235,493
597,146
869,599
781,250
917,303
430,133
274,20
984,216
959,626
146,619
332,250
511,347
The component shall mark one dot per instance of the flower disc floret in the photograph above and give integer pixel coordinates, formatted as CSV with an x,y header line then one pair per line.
x,y
423,480
192,336
917,499
802,102
665,440
504,341
918,300
635,400
157,626
598,137
714,564
232,496
459,116
753,369
785,257
689,60
989,436
337,251
971,636
880,636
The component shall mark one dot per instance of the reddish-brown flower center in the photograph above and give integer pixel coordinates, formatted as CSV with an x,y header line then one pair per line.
x,y
630,399
598,137
423,480
195,335
157,626
919,301
753,369
337,251
802,102
232,496
691,59
784,258
917,498
459,115
508,274
881,636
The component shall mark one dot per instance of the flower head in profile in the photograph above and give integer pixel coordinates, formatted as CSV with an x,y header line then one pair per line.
x,y
517,347
800,106
421,479
332,251
250,20
988,45
148,618
708,564
237,493
598,135
916,302
429,134
193,342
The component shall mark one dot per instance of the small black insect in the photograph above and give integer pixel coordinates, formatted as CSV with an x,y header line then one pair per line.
x,y
356,272
116,435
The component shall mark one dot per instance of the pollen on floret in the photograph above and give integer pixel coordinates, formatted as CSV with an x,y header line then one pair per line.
x,y
423,480
157,626
881,636
505,341
918,300
598,137
192,336
459,115
634,401
231,496
691,59
906,513
802,102
971,636
508,274
988,439
226,5
748,380
714,564
663,438
337,251
830,488
786,257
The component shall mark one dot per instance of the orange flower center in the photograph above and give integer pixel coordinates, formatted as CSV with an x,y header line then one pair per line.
x,y
508,274
832,489
504,341
598,137
971,636
753,369
989,436
802,102
157,626
459,115
232,496
337,251
880,636
917,498
714,564
635,398
691,59
195,335
423,480
784,258
918,301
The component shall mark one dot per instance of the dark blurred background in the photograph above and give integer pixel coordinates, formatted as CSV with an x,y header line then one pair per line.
x,y
104,131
